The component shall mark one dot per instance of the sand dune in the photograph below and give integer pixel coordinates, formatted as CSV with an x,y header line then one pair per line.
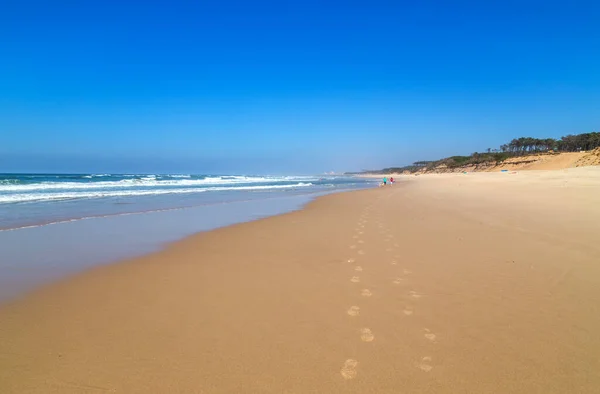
x,y
551,162
477,283
534,162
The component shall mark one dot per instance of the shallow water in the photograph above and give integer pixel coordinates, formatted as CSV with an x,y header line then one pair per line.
x,y
35,255
35,199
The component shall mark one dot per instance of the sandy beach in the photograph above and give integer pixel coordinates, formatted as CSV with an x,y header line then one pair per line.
x,y
451,283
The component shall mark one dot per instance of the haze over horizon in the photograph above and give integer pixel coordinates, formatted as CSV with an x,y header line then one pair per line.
x,y
287,87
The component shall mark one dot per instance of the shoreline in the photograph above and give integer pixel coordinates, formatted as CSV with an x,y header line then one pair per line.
x,y
24,270
160,248
439,284
150,211
42,199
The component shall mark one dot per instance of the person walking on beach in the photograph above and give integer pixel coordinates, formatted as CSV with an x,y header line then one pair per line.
x,y
392,181
384,180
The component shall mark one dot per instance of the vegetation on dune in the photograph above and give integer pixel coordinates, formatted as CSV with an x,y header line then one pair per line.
x,y
569,143
517,147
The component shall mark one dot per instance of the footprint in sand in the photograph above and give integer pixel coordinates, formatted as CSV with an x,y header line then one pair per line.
x,y
351,261
355,279
429,335
406,272
397,281
424,364
366,335
358,268
394,262
352,246
366,293
397,245
360,241
349,369
414,294
408,311
388,250
353,311
361,252
361,232
355,236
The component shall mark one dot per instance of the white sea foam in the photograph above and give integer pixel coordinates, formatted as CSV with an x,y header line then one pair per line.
x,y
148,181
31,197
96,176
179,176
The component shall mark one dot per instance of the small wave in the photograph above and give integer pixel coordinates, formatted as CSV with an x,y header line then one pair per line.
x,y
9,182
33,197
179,176
90,176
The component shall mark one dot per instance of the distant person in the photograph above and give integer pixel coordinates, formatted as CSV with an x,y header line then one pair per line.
x,y
384,180
391,181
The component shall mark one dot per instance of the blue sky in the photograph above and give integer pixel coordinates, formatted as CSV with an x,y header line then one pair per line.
x,y
287,87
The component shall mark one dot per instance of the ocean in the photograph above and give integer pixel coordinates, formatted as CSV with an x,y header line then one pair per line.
x,y
54,225
37,199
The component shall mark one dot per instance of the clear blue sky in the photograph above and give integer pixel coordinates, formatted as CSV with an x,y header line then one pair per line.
x,y
287,87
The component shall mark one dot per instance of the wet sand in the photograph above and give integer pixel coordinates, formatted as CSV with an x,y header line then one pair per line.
x,y
478,283
63,249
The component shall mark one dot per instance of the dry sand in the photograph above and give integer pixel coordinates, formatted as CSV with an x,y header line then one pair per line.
x,y
478,283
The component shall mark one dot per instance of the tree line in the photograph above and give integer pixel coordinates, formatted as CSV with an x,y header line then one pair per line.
x,y
516,147
569,143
